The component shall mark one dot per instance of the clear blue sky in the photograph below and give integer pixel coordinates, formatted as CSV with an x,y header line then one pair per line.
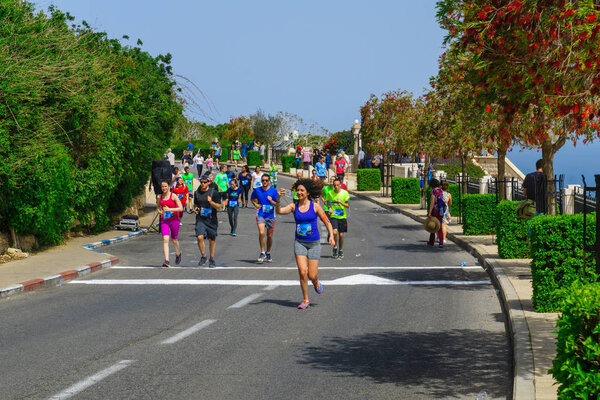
x,y
318,59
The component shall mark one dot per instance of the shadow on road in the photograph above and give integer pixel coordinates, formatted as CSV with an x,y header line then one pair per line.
x,y
439,365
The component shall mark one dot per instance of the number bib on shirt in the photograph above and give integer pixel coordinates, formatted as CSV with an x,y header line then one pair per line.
x,y
233,203
168,214
303,230
338,212
244,182
205,212
180,196
267,208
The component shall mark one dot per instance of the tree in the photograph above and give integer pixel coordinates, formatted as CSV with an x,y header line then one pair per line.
x,y
265,127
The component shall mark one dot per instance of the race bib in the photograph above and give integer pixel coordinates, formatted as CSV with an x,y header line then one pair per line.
x,y
303,229
267,208
233,203
168,214
188,182
180,196
338,212
244,182
205,212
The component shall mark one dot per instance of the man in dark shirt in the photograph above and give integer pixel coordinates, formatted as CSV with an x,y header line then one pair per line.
x,y
534,187
206,203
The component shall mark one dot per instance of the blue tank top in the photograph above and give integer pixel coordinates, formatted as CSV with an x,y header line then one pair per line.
x,y
307,229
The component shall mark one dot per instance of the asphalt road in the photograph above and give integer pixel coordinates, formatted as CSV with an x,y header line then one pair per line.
x,y
397,320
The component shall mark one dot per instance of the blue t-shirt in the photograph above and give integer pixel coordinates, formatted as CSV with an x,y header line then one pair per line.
x,y
321,169
266,210
190,146
233,197
244,149
230,175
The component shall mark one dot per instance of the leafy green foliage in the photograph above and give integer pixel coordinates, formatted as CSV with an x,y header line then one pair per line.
x,y
340,140
406,191
453,170
368,179
511,232
479,214
253,157
577,364
557,257
288,161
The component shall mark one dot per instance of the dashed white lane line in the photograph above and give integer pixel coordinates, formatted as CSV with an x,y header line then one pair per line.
x,y
245,301
92,380
411,268
270,287
189,331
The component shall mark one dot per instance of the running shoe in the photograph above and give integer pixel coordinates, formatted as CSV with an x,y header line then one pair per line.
x,y
202,260
212,263
335,252
340,254
166,264
180,223
269,259
233,233
177,258
319,289
441,245
304,305
261,258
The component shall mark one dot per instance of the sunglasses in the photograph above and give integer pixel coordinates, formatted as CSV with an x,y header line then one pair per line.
x,y
203,181
264,180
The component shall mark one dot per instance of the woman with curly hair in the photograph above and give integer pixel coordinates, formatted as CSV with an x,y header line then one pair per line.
x,y
307,246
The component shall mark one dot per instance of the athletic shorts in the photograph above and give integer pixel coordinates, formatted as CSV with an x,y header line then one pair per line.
x,y
218,157
169,227
262,157
223,195
204,230
310,250
268,222
341,224
191,194
341,176
306,165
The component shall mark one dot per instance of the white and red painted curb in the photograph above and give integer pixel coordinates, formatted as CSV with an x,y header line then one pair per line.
x,y
58,279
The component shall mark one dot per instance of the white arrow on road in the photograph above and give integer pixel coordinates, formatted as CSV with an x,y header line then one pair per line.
x,y
358,279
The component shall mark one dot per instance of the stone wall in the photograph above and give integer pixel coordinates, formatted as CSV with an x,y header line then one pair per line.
x,y
490,166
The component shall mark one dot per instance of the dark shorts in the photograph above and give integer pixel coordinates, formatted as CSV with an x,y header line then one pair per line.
x,y
262,157
218,157
340,224
204,230
341,176
224,195
306,165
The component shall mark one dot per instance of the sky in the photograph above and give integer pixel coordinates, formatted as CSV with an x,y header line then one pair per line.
x,y
320,60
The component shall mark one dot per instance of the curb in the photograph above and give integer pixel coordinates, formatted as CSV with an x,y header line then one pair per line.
x,y
57,280
106,242
523,367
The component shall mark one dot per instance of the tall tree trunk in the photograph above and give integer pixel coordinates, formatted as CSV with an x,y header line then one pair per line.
x,y
501,173
549,149
463,163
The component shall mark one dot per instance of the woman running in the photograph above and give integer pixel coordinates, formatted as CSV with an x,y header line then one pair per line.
x,y
245,183
233,204
168,205
181,190
256,177
307,246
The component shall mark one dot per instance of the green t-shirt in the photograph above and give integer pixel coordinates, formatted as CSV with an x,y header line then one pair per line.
x,y
189,181
326,190
337,209
221,181
236,154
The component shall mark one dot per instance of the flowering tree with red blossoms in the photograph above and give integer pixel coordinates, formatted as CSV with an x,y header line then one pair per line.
x,y
538,61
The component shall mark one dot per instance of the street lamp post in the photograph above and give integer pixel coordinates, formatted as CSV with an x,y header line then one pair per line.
x,y
356,136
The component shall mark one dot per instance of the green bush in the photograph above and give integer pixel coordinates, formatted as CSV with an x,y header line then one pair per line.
x,y
577,364
479,213
406,191
224,154
454,190
368,179
253,158
557,256
511,232
287,162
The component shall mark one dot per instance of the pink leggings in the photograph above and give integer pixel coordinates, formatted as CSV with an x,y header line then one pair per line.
x,y
169,226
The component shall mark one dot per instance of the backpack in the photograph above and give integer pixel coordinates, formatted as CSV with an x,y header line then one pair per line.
x,y
440,204
526,209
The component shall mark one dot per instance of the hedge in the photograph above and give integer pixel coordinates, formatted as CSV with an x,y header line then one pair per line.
x,y
557,256
479,213
253,157
454,190
577,364
368,179
287,162
511,232
406,191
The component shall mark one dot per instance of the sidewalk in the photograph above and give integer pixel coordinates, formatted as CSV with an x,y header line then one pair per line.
x,y
534,344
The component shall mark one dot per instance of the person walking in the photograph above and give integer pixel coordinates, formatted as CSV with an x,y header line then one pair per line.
x,y
236,155
436,205
446,218
167,206
262,149
199,163
338,202
256,176
321,169
218,151
307,243
361,158
306,158
273,173
222,182
209,164
207,202
188,179
534,187
244,151
245,180
327,159
264,198
340,167
180,189
233,204
298,157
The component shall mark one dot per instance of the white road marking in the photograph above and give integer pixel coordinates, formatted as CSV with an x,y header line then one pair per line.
x,y
245,301
270,287
87,382
188,332
411,268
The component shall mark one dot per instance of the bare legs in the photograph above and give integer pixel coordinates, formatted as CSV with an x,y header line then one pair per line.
x,y
212,245
307,269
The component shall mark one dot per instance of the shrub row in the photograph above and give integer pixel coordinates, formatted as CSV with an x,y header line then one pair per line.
x,y
479,214
557,256
406,191
253,157
368,179
511,232
288,161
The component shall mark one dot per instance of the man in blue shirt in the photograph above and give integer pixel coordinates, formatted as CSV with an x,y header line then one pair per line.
x,y
244,151
190,146
321,168
264,199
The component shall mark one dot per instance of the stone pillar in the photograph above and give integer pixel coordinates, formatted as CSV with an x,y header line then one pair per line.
x,y
484,185
568,194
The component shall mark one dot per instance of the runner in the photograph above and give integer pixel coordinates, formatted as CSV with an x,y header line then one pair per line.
x,y
264,198
262,154
174,175
233,203
199,163
230,174
256,177
273,173
188,178
338,203
218,155
321,169
294,195
245,179
307,246
181,190
223,183
167,205
340,167
206,203
236,155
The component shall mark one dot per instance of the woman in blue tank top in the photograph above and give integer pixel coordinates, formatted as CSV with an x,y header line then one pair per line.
x,y
307,246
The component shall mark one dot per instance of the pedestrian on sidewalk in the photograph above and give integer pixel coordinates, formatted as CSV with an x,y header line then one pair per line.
x,y
446,218
207,202
436,210
233,204
167,206
307,244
